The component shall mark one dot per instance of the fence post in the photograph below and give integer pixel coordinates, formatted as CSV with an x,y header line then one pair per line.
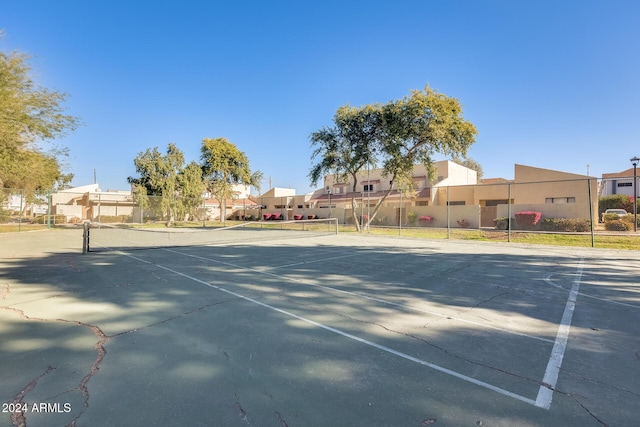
x,y
48,209
85,237
448,215
509,213
400,216
593,242
20,217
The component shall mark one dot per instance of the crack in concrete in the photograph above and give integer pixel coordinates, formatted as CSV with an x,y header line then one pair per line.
x,y
177,316
601,383
99,347
241,411
587,410
5,292
447,352
280,420
484,302
72,265
101,353
18,418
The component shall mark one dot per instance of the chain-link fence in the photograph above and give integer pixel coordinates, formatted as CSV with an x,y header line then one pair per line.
x,y
564,206
69,207
18,207
574,206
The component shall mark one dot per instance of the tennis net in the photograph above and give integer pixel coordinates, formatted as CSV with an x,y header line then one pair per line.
x,y
114,237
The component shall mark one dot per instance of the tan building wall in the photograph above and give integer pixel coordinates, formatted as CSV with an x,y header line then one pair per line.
x,y
373,184
554,193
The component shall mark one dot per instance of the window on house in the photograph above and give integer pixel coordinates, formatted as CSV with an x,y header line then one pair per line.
x,y
368,187
422,203
560,200
625,184
459,203
496,202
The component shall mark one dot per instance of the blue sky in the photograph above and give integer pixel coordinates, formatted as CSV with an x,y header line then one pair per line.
x,y
550,84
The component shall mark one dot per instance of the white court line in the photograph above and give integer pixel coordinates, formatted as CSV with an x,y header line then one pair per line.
x,y
549,280
314,261
365,296
545,393
346,334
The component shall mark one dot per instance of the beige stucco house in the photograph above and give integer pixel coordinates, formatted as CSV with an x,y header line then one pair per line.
x,y
455,195
90,202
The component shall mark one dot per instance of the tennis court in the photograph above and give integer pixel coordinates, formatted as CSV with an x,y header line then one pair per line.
x,y
314,329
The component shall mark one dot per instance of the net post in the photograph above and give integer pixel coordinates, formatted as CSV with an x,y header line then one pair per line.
x,y
85,237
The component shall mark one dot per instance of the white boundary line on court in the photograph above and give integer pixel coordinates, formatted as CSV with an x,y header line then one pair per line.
x,y
346,334
545,393
548,279
364,296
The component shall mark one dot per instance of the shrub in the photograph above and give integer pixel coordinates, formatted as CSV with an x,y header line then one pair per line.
x,y
528,219
617,225
566,224
379,220
610,217
425,220
110,219
503,223
629,219
411,218
553,224
463,223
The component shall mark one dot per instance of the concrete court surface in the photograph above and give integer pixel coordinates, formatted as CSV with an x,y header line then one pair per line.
x,y
344,330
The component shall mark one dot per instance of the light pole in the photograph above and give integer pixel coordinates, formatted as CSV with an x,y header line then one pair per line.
x,y
329,191
634,162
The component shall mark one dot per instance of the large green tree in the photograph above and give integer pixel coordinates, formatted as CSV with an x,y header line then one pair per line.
x,y
345,148
165,185
398,135
29,115
191,188
223,166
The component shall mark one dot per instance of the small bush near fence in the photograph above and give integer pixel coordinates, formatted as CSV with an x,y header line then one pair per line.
x,y
111,219
503,223
411,218
528,219
425,220
629,219
617,225
610,217
566,224
463,223
547,224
